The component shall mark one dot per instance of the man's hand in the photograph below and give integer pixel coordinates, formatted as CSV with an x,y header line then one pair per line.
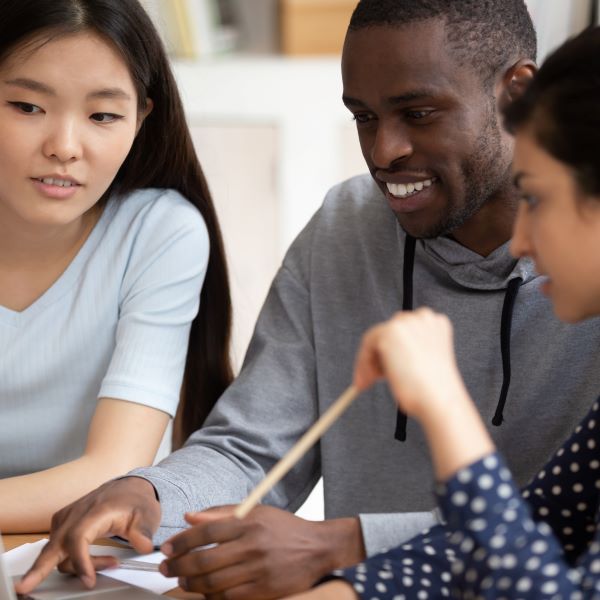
x,y
268,554
126,507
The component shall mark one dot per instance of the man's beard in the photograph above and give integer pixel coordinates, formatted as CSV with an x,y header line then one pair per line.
x,y
485,172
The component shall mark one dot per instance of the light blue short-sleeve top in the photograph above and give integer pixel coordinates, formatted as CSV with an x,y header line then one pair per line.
x,y
114,325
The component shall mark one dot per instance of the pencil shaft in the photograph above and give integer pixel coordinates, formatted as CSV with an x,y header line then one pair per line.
x,y
297,451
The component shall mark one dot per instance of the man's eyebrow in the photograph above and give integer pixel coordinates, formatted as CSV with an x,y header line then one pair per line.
x,y
411,96
37,86
348,101
31,84
400,99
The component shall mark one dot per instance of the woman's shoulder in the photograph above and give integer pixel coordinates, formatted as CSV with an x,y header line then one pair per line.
x,y
154,220
149,210
157,203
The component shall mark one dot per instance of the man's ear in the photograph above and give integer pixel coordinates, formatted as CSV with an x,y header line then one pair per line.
x,y
514,81
142,114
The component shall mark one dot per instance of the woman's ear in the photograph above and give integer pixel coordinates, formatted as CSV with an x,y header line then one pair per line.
x,y
142,114
515,81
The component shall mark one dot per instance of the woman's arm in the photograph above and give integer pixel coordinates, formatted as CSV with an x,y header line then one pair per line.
x,y
122,435
414,351
332,590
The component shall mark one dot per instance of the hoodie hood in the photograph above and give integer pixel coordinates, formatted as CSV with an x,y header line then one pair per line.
x,y
470,270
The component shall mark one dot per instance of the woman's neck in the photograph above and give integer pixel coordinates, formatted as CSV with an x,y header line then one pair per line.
x,y
33,257
27,245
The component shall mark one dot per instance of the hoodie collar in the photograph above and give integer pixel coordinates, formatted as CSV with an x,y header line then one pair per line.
x,y
471,270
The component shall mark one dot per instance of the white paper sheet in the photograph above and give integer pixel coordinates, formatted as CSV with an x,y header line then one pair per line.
x,y
19,560
153,581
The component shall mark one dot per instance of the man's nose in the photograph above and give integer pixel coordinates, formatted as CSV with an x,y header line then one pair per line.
x,y
391,144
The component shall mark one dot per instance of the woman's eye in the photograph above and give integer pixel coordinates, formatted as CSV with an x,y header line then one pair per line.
x,y
26,107
530,200
105,117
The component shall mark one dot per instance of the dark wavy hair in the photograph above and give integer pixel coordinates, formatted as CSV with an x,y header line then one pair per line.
x,y
162,156
561,106
487,35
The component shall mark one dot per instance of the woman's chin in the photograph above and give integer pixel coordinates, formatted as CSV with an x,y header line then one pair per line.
x,y
568,312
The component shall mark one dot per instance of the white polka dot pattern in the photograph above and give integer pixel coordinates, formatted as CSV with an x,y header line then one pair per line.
x,y
498,543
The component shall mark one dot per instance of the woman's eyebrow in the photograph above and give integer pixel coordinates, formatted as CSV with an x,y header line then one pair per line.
x,y
31,84
116,93
38,86
518,177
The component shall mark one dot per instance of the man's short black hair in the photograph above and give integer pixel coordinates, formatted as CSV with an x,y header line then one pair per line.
x,y
488,35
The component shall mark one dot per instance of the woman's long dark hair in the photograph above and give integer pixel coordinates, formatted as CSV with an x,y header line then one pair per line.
x,y
562,107
162,156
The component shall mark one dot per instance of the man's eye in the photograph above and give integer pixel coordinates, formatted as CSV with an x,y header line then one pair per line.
x,y
362,117
418,114
105,117
26,108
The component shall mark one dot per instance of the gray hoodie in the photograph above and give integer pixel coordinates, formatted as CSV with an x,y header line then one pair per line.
x,y
343,274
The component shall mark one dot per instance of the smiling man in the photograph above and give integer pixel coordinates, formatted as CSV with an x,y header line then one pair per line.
x,y
428,227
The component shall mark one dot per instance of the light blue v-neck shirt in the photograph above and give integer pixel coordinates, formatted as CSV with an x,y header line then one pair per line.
x,y
114,325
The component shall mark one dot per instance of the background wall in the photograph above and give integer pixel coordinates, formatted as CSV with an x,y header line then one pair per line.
x,y
273,137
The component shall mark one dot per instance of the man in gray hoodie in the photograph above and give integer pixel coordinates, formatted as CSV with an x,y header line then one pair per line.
x,y
429,227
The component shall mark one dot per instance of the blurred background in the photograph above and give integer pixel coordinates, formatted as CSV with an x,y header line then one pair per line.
x,y
261,85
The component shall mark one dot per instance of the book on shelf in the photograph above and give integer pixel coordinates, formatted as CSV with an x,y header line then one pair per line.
x,y
192,29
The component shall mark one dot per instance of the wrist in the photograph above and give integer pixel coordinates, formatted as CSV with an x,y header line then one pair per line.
x,y
340,544
446,405
141,486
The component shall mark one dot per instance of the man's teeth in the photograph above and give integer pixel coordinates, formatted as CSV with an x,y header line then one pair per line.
x,y
401,190
59,182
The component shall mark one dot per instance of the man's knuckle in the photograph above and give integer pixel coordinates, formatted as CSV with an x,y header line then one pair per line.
x,y
210,582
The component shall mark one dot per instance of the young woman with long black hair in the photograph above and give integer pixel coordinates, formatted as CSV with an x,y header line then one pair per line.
x,y
111,257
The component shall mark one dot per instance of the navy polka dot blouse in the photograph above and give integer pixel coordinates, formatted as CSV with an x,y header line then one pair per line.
x,y
499,543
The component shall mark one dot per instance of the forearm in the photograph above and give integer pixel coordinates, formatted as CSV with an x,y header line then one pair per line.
x,y
456,435
29,501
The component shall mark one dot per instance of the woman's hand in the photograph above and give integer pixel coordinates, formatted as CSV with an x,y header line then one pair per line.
x,y
414,352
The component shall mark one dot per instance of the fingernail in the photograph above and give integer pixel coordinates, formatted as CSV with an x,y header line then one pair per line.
x,y
87,581
167,549
164,568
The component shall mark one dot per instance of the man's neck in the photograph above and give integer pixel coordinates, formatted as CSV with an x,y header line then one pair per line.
x,y
489,228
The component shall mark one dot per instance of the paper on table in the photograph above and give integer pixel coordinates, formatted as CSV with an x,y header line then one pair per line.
x,y
19,560
153,581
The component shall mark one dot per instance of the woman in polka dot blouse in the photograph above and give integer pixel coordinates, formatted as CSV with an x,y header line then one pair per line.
x,y
497,542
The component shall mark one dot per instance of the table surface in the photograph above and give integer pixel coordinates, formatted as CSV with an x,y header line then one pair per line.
x,y
14,540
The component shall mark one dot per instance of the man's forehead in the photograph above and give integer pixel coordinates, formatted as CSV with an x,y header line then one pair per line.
x,y
425,39
413,59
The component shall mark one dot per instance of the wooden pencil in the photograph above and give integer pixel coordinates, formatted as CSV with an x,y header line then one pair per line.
x,y
297,451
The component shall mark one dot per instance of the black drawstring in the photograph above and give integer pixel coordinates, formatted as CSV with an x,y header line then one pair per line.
x,y
505,325
407,304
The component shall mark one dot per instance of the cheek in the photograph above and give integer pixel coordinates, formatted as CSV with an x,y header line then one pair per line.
x,y
108,157
15,146
366,143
